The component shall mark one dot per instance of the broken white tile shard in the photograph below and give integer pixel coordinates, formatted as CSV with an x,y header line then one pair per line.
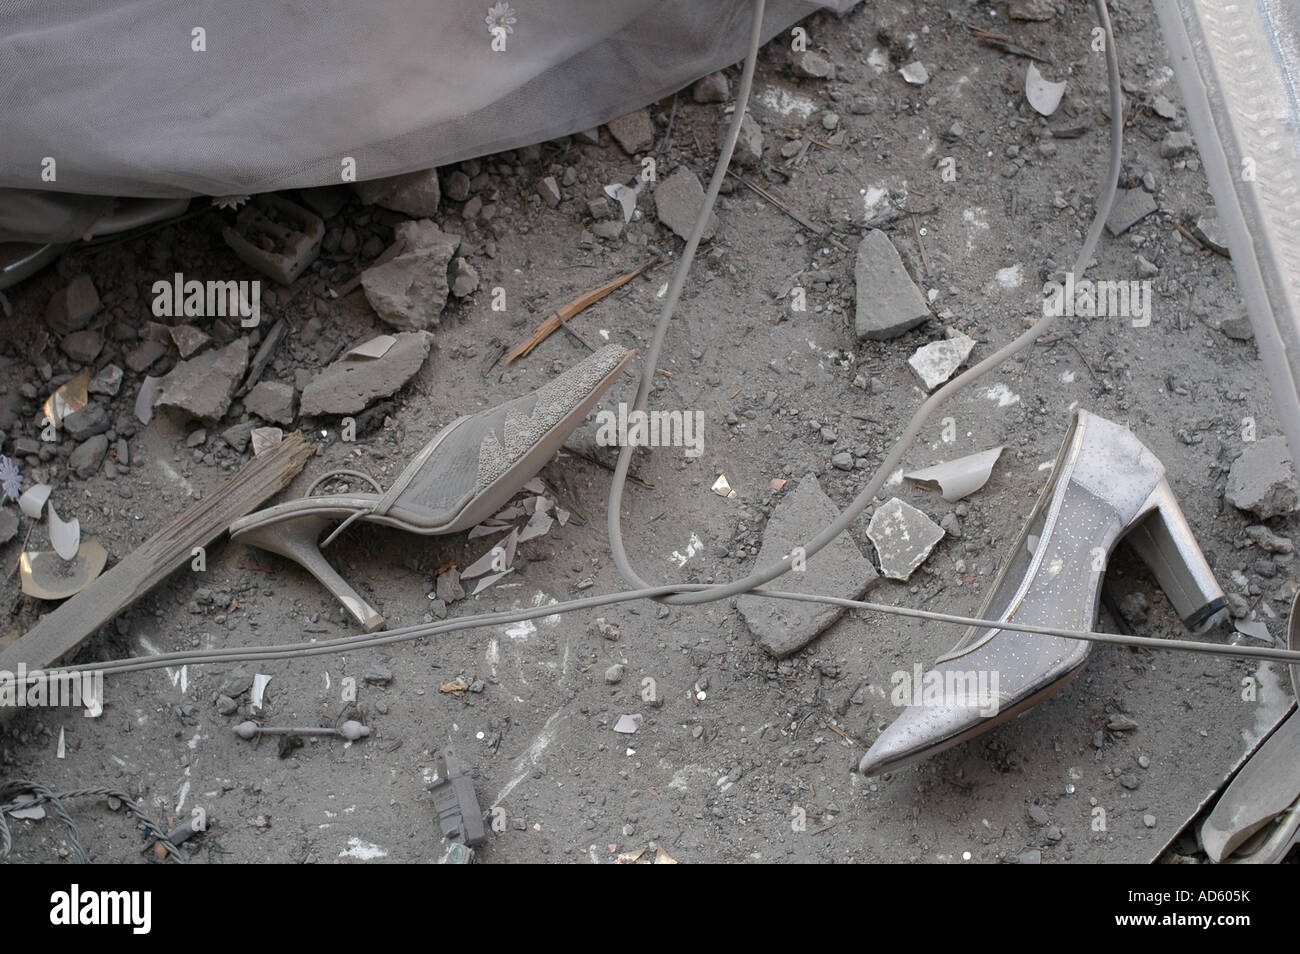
x,y
32,502
958,478
627,724
915,73
65,536
903,537
374,348
1042,94
625,196
936,362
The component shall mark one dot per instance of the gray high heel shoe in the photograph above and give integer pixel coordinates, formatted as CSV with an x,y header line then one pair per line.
x,y
1105,486
464,475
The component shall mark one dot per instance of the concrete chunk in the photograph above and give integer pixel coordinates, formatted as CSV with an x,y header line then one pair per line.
x,y
634,132
888,303
903,537
1131,207
271,401
348,385
938,361
783,627
203,386
410,291
678,200
1262,480
415,193
72,307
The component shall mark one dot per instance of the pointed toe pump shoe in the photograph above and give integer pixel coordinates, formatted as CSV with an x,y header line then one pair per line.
x,y
1105,486
465,474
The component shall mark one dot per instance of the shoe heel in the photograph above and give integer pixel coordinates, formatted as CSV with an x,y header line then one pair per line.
x,y
297,540
1166,543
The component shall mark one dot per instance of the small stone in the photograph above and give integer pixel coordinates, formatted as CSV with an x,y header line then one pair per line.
x,y
811,66
915,73
714,88
1031,9
606,630
448,586
226,706
188,340
936,362
609,229
1038,815
272,401
455,185
238,436
144,355
749,147
1031,857
377,675
1131,206
203,386
1147,269
349,385
1121,723
1134,608
1176,144
236,684
830,120
85,460
1266,539
8,525
415,194
1209,230
839,569
89,421
1164,107
842,461
82,347
1144,761
1238,328
196,438
634,132
1262,480
108,381
678,200
1130,781
410,291
614,674
888,303
1053,833
903,537
1149,820
464,278
72,307
549,190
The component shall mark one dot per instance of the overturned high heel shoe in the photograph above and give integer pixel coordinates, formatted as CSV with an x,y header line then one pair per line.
x,y
464,475
1105,486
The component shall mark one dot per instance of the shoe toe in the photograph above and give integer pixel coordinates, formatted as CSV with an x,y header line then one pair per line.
x,y
918,731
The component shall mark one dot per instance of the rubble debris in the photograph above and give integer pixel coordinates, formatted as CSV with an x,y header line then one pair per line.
x,y
722,487
634,131
714,88
810,65
48,576
146,398
238,436
1209,230
1237,327
272,401
448,588
549,190
264,438
141,357
83,347
958,478
1043,95
32,502
108,381
625,196
1266,539
8,525
348,385
325,201
294,233
188,340
410,290
614,674
628,724
1131,206
90,420
63,630
203,386
416,194
1263,481
937,361
888,303
455,803
72,307
376,347
839,569
903,537
606,629
464,280
1176,144
87,457
455,186
749,147
678,200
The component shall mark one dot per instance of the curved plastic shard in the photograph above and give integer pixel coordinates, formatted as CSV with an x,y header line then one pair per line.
x,y
1042,94
958,478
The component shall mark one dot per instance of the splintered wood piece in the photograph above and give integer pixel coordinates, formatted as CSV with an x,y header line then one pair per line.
x,y
63,630
556,319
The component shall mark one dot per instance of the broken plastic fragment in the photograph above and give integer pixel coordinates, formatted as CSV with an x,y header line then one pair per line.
x,y
264,437
32,502
65,535
374,348
958,478
47,576
487,581
722,488
69,397
1042,94
259,689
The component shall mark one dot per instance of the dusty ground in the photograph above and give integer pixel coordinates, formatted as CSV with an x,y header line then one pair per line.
x,y
725,776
